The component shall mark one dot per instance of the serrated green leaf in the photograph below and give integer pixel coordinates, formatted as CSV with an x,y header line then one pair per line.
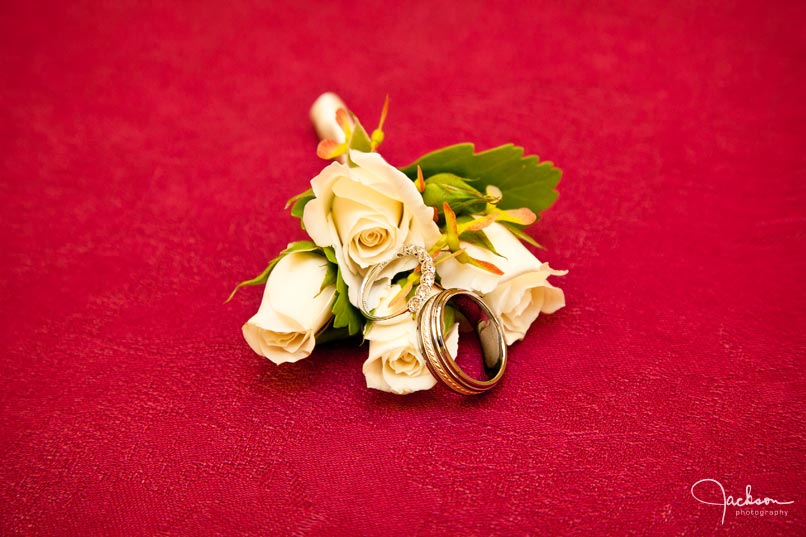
x,y
345,315
299,246
524,181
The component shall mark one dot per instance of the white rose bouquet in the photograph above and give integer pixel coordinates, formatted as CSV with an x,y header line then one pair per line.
x,y
468,210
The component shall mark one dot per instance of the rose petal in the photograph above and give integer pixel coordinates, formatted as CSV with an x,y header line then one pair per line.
x,y
397,185
553,299
405,384
295,288
373,373
383,203
372,198
294,308
394,363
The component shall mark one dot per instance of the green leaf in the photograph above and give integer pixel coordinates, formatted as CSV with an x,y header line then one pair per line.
x,y
257,280
331,334
331,276
524,181
360,140
480,263
260,279
521,234
297,203
448,318
299,246
330,253
345,315
479,238
447,187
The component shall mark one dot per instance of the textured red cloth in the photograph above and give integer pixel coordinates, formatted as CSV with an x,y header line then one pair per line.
x,y
146,156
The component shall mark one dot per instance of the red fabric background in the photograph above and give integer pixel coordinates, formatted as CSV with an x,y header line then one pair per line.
x,y
146,156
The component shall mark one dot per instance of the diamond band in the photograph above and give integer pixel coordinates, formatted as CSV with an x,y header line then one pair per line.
x,y
427,275
424,289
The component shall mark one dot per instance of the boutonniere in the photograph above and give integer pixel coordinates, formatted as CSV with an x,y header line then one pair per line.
x,y
409,258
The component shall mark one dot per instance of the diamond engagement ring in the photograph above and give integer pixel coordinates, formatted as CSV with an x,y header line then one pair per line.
x,y
427,277
429,305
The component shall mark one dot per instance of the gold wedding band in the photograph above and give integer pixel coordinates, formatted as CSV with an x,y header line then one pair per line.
x,y
488,328
429,307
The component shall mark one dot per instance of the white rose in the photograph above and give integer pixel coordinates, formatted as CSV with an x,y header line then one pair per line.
x,y
519,295
366,213
395,364
294,308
